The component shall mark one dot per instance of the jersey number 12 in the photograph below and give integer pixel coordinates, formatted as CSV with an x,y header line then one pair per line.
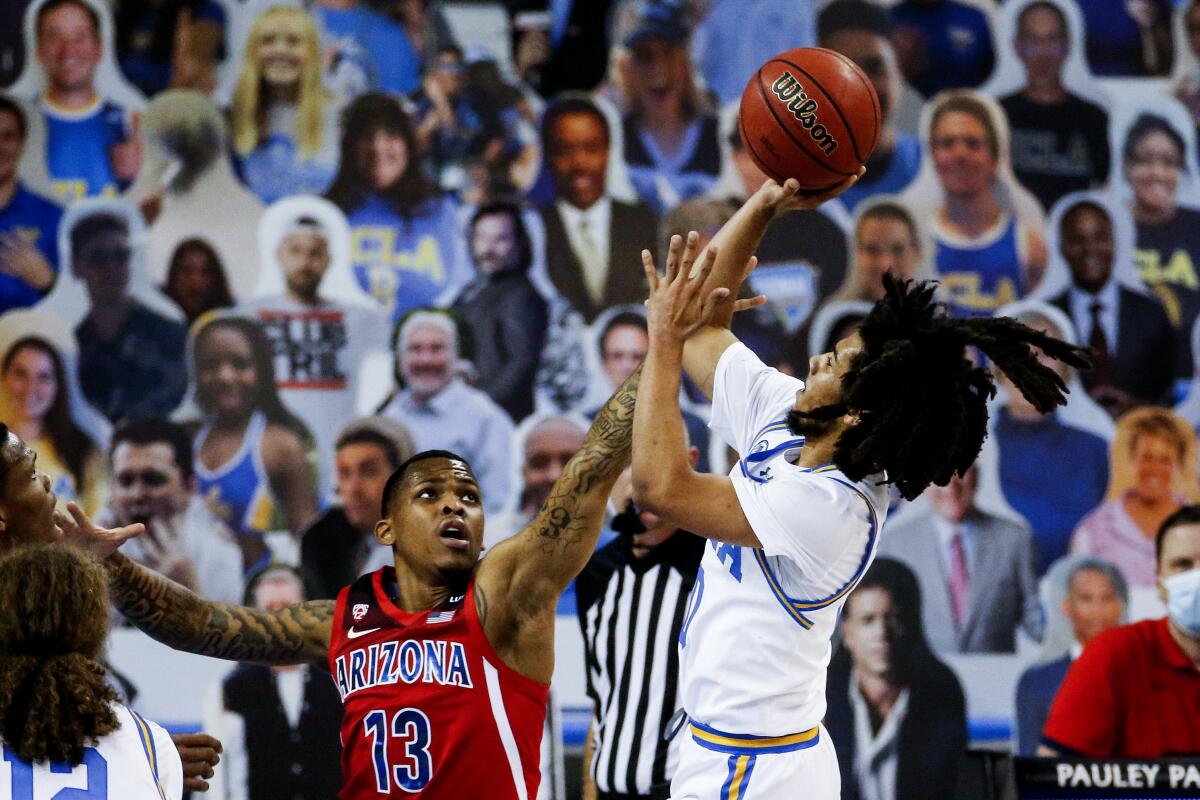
x,y
411,728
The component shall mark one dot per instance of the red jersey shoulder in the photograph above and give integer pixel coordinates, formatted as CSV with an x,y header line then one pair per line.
x,y
358,608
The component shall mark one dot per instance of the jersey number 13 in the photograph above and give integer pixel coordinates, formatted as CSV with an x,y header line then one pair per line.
x,y
406,738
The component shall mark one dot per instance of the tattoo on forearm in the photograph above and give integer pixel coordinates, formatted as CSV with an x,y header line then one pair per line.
x,y
604,454
178,618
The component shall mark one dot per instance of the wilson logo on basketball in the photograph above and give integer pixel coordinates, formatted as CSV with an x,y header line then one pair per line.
x,y
791,92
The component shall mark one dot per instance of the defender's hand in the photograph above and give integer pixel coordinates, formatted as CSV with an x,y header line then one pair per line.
x,y
79,531
676,308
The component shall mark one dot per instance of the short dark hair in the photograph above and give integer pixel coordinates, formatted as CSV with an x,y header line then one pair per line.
x,y
1086,204
853,15
972,105
625,319
890,210
274,568
1188,515
901,585
372,437
93,225
1109,570
147,431
56,4
398,475
1045,5
1147,124
498,208
9,106
567,105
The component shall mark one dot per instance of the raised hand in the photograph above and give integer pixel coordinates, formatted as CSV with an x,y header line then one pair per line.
x,y
125,157
79,531
676,307
776,199
24,262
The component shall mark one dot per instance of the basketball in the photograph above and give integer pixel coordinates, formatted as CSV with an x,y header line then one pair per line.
x,y
809,114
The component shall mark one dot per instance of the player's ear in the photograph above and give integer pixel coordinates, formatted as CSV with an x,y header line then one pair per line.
x,y
384,533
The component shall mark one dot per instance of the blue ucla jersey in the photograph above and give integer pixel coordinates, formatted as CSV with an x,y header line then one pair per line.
x,y
238,491
34,220
407,264
365,51
77,149
275,170
906,161
980,276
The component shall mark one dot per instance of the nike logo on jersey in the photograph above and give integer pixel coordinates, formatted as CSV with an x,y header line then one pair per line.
x,y
353,634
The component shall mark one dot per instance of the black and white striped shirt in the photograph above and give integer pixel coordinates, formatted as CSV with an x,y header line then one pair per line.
x,y
631,611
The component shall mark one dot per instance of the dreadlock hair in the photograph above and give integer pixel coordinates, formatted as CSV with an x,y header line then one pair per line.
x,y
922,403
54,700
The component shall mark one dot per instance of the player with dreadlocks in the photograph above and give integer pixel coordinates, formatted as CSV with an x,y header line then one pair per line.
x,y
796,523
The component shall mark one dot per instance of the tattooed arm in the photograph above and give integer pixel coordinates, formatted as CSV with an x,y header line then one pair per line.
x,y
521,579
180,619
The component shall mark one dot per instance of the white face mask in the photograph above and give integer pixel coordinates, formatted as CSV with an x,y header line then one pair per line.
x,y
1183,600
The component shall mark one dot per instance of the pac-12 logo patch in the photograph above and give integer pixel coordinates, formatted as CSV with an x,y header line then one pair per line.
x,y
359,611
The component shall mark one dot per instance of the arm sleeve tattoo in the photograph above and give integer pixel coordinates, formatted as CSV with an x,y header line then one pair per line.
x,y
569,523
180,619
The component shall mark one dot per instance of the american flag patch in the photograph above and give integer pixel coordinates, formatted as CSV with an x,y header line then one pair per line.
x,y
440,616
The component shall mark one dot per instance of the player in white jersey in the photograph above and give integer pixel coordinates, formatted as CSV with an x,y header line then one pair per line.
x,y
62,731
797,521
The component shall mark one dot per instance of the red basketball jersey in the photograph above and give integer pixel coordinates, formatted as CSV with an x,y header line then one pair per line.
x,y
431,710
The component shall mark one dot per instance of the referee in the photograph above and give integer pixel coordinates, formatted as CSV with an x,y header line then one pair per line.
x,y
631,599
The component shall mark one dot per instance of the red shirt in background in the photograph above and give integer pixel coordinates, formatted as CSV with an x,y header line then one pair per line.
x,y
1133,693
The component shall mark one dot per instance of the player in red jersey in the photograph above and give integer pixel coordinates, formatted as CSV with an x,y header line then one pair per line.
x,y
443,660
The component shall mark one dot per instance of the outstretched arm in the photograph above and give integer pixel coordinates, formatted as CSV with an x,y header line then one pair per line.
x,y
184,621
544,557
663,479
519,583
735,244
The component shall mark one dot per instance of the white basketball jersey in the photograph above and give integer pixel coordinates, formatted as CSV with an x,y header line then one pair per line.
x,y
755,640
137,761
